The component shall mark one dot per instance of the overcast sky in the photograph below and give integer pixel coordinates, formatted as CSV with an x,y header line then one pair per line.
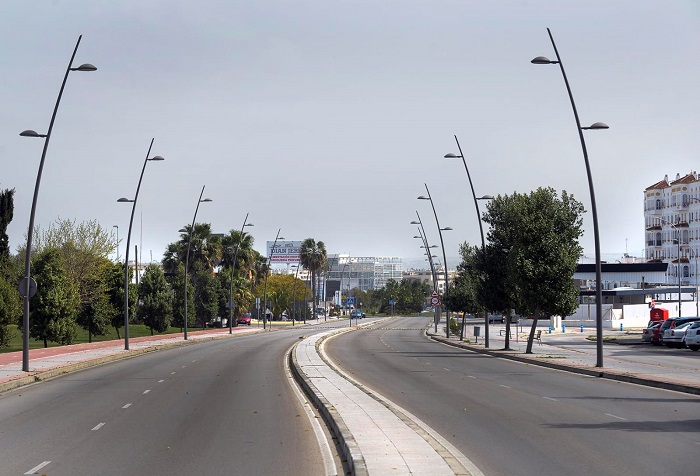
x,y
326,118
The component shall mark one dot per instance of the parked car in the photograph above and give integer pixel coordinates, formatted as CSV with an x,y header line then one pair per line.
x,y
357,314
673,336
692,336
651,333
664,325
244,319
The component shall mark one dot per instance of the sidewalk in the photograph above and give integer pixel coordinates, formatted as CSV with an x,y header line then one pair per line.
x,y
572,351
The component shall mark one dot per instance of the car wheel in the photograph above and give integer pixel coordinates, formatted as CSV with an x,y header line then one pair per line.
x,y
694,347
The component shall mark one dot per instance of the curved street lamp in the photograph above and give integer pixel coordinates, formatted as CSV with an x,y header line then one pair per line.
x,y
233,268
27,286
424,237
128,243
444,258
481,228
267,273
189,244
594,210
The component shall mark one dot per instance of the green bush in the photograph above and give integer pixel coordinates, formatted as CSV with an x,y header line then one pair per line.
x,y
454,326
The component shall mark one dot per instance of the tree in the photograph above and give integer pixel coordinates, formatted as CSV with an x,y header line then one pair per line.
x,y
56,303
7,208
177,285
10,309
283,290
156,298
537,236
313,258
208,294
115,295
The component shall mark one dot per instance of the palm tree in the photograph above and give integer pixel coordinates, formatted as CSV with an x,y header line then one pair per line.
x,y
313,258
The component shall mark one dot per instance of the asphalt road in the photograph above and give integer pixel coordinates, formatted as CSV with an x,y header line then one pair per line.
x,y
513,418
221,407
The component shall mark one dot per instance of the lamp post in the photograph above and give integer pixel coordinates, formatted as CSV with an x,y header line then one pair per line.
x,y
294,292
117,227
233,268
481,228
189,244
423,236
594,210
444,258
128,242
27,286
267,273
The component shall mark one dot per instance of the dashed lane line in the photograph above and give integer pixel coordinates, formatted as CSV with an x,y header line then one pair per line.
x,y
145,392
98,426
127,405
615,416
36,469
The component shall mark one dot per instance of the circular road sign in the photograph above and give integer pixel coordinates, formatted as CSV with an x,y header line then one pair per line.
x,y
27,289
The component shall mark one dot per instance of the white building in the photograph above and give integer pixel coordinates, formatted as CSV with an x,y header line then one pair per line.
x,y
672,223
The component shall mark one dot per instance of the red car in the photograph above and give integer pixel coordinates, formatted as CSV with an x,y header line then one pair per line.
x,y
244,319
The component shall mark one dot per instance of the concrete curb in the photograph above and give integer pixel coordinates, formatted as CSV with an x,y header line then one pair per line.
x,y
592,372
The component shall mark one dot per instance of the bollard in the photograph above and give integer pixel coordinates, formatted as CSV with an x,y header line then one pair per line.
x,y
620,327
563,328
549,331
581,327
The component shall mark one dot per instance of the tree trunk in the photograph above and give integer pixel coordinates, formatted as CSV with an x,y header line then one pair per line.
x,y
46,343
89,336
507,347
118,336
531,337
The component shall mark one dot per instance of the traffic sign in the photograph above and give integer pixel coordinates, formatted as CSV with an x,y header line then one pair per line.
x,y
349,301
27,287
435,299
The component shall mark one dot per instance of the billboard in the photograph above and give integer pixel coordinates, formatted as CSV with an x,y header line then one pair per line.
x,y
285,251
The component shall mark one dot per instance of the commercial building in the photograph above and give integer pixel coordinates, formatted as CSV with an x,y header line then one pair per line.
x,y
364,273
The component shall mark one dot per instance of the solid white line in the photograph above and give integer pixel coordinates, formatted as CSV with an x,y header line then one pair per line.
x,y
98,426
161,381
615,416
145,392
550,398
504,386
127,405
36,469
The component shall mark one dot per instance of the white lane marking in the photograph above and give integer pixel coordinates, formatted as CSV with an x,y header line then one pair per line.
x,y
194,361
127,405
183,366
471,376
446,369
145,392
615,416
550,398
172,373
161,381
504,386
37,468
98,426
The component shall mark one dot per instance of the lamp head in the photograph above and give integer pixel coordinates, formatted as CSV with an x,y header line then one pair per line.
x,y
452,156
447,228
124,200
485,197
415,222
543,60
31,133
423,197
248,224
85,67
157,157
206,200
596,126
182,230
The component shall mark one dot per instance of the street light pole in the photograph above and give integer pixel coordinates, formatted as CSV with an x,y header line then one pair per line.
x,y
27,286
424,237
187,256
481,228
444,258
128,242
594,210
267,273
233,268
